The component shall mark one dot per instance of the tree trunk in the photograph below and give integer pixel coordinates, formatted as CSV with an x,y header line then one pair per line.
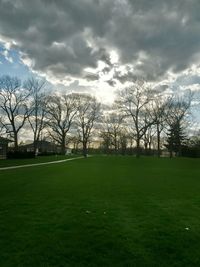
x,y
63,146
138,147
158,142
170,153
35,145
85,149
35,141
180,150
15,141
115,144
146,147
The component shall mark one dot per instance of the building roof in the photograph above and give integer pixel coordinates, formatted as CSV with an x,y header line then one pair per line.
x,y
39,144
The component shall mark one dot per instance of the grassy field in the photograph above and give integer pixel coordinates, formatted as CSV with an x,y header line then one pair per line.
x,y
101,211
38,159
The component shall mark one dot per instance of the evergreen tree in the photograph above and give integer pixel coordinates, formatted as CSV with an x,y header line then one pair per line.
x,y
176,138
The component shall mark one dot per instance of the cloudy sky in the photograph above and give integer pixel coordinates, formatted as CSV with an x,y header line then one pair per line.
x,y
98,45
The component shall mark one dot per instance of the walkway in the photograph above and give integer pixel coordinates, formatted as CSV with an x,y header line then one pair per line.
x,y
38,164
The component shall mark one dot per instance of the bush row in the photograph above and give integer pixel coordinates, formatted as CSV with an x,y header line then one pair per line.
x,y
20,155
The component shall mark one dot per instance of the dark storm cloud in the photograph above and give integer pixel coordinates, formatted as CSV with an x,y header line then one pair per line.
x,y
64,37
165,32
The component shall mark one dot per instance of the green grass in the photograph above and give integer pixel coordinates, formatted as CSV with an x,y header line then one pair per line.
x,y
101,211
38,159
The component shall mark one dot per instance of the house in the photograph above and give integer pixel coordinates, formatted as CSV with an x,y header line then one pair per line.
x,y
43,146
4,147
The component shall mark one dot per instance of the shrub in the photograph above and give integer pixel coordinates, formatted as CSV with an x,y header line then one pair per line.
x,y
20,155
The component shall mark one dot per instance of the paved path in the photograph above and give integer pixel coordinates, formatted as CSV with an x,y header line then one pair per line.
x,y
38,164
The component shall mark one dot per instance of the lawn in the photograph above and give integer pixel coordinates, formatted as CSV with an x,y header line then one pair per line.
x,y
101,211
38,159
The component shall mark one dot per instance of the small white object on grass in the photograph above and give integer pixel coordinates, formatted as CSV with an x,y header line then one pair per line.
x,y
87,211
187,228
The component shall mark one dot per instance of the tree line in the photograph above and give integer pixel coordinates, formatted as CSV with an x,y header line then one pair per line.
x,y
139,117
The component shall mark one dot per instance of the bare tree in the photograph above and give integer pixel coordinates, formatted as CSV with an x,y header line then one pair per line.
x,y
38,107
61,111
2,128
161,111
88,113
134,103
123,141
113,130
148,139
14,106
74,140
106,141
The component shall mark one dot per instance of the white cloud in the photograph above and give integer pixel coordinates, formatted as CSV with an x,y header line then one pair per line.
x,y
102,44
